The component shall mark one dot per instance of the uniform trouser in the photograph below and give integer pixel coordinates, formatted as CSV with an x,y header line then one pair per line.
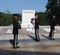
x,y
51,33
15,40
37,33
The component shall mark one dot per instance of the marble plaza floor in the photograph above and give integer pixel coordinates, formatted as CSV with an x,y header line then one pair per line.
x,y
27,44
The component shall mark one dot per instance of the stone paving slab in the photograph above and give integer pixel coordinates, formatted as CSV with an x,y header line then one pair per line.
x,y
35,47
28,45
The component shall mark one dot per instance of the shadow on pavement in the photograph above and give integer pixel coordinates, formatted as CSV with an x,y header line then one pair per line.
x,y
32,37
55,39
30,40
13,52
45,36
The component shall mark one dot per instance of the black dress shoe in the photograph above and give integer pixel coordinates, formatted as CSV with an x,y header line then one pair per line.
x,y
37,39
51,38
16,47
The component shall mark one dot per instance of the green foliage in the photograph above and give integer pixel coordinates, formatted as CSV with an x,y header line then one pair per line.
x,y
6,19
53,7
42,18
19,17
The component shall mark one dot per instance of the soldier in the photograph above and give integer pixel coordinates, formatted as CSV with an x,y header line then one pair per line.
x,y
33,24
37,27
15,31
52,26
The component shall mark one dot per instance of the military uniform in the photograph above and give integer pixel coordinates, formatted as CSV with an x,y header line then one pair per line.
x,y
52,27
37,29
15,32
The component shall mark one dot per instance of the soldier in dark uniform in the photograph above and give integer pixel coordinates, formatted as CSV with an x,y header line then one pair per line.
x,y
15,31
52,26
37,27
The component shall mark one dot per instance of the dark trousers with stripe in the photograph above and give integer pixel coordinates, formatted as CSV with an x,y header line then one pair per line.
x,y
51,34
15,40
37,34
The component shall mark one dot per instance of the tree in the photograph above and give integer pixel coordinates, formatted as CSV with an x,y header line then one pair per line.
x,y
6,18
53,7
42,18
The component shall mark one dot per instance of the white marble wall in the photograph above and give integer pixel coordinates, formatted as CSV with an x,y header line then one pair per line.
x,y
26,18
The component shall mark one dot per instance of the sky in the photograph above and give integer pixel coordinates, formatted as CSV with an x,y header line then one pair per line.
x,y
16,6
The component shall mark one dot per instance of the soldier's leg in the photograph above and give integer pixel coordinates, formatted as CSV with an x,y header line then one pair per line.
x,y
15,41
14,44
35,34
38,34
50,34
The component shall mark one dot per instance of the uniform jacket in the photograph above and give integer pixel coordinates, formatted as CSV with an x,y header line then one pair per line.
x,y
15,26
36,23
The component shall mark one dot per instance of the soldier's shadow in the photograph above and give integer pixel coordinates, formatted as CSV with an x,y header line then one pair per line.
x,y
45,36
33,37
48,37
